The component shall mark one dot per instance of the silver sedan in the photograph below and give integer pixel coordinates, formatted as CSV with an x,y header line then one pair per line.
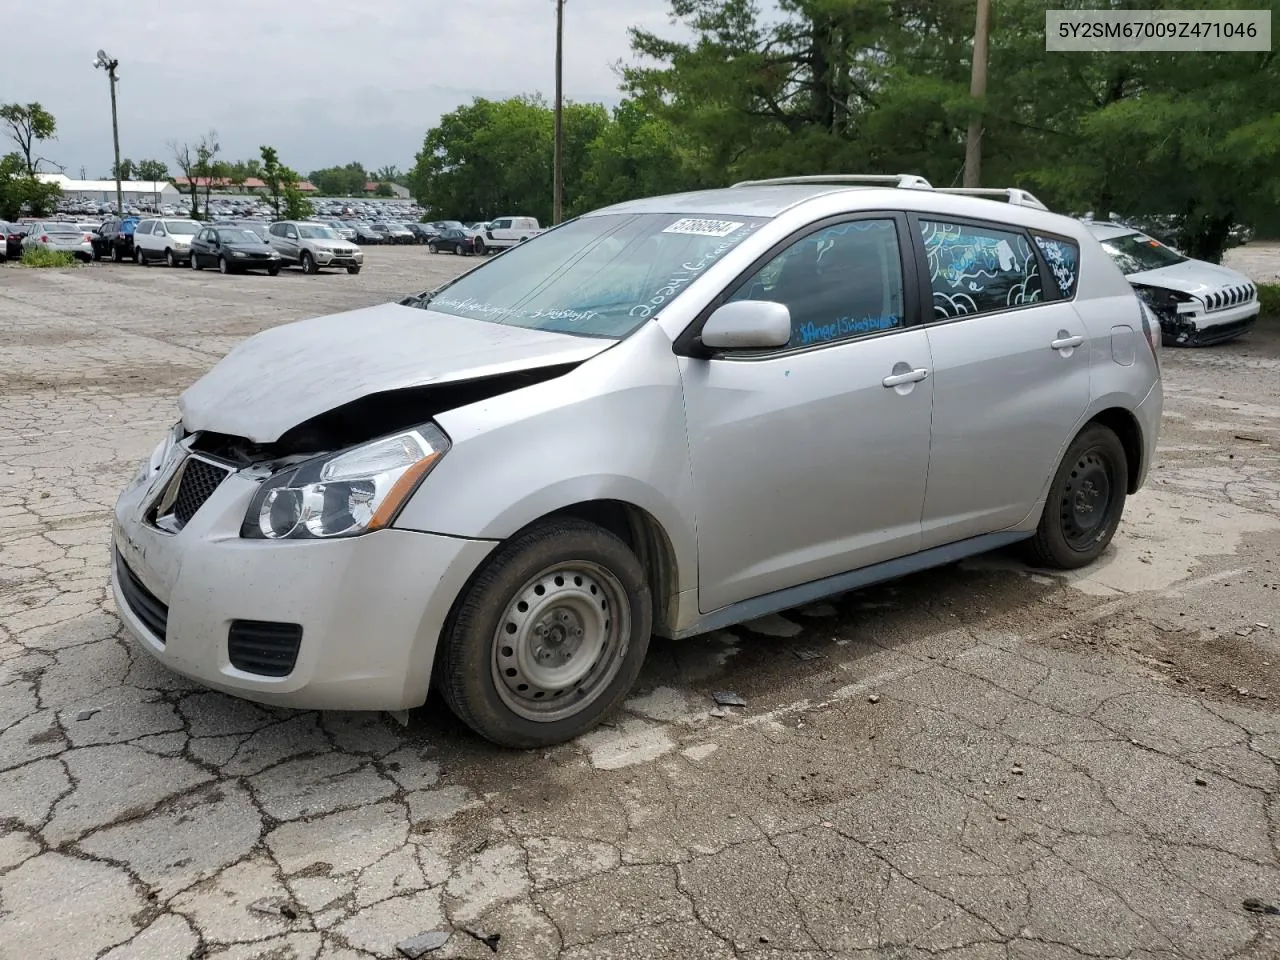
x,y
62,237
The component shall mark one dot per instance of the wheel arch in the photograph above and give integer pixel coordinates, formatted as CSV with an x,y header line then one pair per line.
x,y
1125,426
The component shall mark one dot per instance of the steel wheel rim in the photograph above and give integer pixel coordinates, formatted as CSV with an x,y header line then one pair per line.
x,y
1085,506
561,641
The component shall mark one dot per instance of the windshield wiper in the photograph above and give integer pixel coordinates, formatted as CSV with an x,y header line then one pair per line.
x,y
419,300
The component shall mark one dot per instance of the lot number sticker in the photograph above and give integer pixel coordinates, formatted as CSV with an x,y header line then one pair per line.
x,y
703,228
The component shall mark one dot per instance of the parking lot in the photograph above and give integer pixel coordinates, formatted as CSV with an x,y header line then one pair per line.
x,y
983,762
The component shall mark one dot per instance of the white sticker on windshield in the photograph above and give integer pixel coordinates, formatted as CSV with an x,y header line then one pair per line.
x,y
703,228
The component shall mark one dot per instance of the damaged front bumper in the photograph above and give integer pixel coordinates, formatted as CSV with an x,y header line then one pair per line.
x,y
1191,326
344,624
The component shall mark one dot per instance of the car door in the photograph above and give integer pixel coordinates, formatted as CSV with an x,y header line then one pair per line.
x,y
200,247
499,231
1011,376
157,240
812,460
282,243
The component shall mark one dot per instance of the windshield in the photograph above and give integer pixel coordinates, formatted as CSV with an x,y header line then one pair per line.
x,y
1136,252
598,276
312,231
181,227
240,236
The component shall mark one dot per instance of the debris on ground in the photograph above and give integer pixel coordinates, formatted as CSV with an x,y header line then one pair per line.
x,y
805,654
1241,436
874,698
88,714
276,907
727,698
1201,782
719,712
422,944
1254,905
490,940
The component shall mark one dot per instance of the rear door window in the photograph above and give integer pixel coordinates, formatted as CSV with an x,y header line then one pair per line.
x,y
144,227
1063,259
979,269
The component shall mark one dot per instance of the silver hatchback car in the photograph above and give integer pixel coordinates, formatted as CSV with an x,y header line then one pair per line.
x,y
664,417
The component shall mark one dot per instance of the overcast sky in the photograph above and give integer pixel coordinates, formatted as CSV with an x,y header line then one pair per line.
x,y
325,81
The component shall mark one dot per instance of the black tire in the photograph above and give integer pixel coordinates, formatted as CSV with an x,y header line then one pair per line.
x,y
457,249
224,265
480,248
116,255
1085,502
353,269
97,255
169,259
273,271
308,263
140,258
475,657
431,248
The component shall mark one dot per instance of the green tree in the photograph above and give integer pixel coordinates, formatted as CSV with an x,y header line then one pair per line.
x,y
21,194
344,181
208,167
388,174
384,190
287,200
152,170
29,125
127,170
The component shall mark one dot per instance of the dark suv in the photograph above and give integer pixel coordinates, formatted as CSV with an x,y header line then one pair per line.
x,y
114,239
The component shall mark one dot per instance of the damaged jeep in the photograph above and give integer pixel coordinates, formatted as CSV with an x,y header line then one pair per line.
x,y
1196,302
665,417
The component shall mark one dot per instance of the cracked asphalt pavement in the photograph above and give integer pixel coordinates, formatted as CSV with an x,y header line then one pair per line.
x,y
984,762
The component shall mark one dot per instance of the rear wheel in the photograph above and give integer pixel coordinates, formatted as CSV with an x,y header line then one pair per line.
x,y
480,246
549,637
1085,501
116,255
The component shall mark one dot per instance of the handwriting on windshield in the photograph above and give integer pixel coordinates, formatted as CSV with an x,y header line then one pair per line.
x,y
481,310
689,271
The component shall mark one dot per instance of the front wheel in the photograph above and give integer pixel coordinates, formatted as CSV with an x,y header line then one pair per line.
x,y
273,271
549,637
353,269
308,263
169,259
431,248
195,263
224,265
1085,502
480,248
116,255
138,258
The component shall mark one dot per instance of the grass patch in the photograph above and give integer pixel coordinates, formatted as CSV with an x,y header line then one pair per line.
x,y
1269,300
40,257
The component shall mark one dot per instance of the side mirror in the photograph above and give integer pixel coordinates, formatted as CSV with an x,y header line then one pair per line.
x,y
747,325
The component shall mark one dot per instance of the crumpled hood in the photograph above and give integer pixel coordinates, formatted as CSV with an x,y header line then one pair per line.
x,y
1196,277
284,376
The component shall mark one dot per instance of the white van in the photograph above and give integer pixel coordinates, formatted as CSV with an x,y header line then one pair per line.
x,y
508,231
167,238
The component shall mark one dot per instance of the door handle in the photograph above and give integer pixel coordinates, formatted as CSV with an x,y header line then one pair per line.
x,y
911,376
1066,343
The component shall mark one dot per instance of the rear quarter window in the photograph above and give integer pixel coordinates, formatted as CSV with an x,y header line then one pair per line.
x,y
1063,258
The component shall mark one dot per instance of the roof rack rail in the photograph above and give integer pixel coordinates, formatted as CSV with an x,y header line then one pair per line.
x,y
1015,195
909,181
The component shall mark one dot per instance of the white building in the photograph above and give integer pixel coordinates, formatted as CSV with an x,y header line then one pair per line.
x,y
152,192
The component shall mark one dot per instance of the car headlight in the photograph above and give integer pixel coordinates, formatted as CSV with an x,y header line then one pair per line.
x,y
273,255
238,253
345,494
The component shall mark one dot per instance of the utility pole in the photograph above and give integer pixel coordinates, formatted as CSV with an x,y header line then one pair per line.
x,y
557,204
106,63
977,91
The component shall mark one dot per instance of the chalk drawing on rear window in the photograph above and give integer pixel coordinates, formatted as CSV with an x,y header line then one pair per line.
x,y
698,227
974,270
1063,258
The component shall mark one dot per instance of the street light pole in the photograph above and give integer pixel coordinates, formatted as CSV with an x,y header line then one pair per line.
x,y
106,63
557,204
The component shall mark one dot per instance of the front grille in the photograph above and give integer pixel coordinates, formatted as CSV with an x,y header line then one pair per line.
x,y
1231,297
1222,331
263,647
199,479
145,605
